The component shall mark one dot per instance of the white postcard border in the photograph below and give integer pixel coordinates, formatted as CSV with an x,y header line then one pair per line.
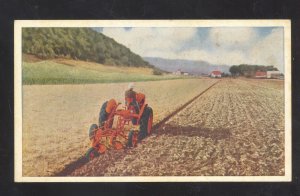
x,y
19,24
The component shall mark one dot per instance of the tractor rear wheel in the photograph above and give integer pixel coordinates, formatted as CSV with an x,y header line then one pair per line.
x,y
150,122
146,123
92,131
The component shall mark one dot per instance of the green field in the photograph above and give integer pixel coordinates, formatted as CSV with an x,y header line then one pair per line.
x,y
78,72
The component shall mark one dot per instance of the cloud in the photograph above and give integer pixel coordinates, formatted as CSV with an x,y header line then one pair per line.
x,y
229,37
221,45
234,46
269,51
148,41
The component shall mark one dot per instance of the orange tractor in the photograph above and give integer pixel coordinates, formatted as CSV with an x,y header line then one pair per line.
x,y
118,136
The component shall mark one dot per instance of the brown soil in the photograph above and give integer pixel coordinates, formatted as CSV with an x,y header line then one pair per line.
x,y
234,129
56,118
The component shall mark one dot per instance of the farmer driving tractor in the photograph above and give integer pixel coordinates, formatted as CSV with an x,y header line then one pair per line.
x,y
130,98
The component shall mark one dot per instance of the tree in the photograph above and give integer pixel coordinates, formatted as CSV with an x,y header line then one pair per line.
x,y
157,72
234,70
250,70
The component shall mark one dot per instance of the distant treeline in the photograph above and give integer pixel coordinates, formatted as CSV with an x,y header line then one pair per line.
x,y
78,43
249,70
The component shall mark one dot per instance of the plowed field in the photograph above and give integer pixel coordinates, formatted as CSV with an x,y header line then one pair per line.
x,y
234,129
56,117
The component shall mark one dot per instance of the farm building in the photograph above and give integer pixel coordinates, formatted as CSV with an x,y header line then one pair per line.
x,y
261,74
178,72
216,74
273,74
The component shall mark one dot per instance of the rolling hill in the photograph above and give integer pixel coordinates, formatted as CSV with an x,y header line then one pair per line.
x,y
68,71
78,43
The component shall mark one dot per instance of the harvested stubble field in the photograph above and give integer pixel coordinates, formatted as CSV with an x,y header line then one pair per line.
x,y
234,129
56,117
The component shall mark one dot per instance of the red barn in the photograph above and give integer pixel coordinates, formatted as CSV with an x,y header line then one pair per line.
x,y
216,74
261,74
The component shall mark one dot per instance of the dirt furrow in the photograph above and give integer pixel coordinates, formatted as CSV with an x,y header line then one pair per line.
x,y
80,163
233,129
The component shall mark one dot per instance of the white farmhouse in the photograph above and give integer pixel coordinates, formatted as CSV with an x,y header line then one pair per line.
x,y
216,74
273,74
178,72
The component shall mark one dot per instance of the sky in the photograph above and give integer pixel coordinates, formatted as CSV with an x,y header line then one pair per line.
x,y
216,45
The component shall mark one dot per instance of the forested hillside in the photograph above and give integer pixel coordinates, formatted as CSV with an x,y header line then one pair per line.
x,y
78,43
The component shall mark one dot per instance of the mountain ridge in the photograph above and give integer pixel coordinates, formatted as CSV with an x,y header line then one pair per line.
x,y
194,67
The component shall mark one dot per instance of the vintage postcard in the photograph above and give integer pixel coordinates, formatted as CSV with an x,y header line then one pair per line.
x,y
152,100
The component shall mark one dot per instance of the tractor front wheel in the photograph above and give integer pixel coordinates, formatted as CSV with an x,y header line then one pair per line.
x,y
92,131
91,154
132,138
